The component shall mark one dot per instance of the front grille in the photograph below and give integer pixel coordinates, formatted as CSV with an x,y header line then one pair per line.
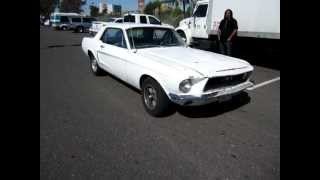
x,y
224,81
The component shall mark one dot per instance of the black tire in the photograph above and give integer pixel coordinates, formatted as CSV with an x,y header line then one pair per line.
x,y
80,29
161,104
94,66
64,28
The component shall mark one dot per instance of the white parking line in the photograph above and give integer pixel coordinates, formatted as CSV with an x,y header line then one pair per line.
x,y
263,83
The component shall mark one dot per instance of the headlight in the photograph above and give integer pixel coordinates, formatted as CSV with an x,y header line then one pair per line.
x,y
186,85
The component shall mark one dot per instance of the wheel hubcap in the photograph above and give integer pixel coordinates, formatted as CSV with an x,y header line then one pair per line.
x,y
150,97
94,65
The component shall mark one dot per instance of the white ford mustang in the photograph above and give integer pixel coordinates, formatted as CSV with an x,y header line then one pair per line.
x,y
155,60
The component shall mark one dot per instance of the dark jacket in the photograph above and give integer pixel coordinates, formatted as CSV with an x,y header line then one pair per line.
x,y
227,27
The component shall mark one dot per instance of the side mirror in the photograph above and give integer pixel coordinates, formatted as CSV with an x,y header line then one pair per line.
x,y
184,39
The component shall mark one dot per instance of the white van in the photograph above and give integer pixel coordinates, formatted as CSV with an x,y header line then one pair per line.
x,y
62,20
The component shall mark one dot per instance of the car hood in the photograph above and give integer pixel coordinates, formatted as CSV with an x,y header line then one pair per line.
x,y
203,62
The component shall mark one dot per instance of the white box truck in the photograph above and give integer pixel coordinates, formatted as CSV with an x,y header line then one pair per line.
x,y
257,19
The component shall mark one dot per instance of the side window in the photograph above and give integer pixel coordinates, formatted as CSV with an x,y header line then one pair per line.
x,y
201,11
64,19
114,36
76,20
87,20
153,20
143,19
129,18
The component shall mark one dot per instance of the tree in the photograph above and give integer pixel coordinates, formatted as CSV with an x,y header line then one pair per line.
x,y
149,9
157,5
47,6
152,6
94,11
71,6
176,12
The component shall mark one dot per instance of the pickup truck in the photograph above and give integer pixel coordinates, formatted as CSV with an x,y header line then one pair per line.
x,y
155,60
129,18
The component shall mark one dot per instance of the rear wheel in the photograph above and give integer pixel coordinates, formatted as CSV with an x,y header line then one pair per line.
x,y
155,100
64,28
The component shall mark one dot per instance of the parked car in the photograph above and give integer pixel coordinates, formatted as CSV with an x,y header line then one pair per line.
x,y
97,25
62,21
81,24
155,60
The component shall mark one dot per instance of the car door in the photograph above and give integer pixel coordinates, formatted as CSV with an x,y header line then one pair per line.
x,y
199,26
75,22
113,52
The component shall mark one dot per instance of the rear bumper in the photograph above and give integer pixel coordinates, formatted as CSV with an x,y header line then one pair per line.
x,y
210,96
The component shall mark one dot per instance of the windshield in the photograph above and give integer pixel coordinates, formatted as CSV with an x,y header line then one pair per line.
x,y
147,37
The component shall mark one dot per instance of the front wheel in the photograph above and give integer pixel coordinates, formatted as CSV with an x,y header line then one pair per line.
x,y
155,100
94,66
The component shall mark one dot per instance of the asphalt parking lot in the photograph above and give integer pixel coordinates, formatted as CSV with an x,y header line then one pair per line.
x,y
96,127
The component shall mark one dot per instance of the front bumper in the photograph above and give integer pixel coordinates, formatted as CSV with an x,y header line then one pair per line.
x,y
210,96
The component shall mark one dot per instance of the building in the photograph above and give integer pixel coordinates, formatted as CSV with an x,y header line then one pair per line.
x,y
116,10
109,8
87,3
140,5
102,7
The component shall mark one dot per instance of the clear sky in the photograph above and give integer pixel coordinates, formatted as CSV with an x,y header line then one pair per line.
x,y
126,4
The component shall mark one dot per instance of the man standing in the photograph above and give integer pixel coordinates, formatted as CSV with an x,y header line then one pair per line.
x,y
227,31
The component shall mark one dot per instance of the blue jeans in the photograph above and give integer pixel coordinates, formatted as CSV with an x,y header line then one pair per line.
x,y
225,47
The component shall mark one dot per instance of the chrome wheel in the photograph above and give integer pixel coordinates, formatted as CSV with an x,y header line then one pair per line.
x,y
150,97
94,65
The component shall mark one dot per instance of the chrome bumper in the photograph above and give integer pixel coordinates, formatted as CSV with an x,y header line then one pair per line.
x,y
210,96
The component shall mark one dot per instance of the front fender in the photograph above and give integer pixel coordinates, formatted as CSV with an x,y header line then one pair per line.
x,y
161,80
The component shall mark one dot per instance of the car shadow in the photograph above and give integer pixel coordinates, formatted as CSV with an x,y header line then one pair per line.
x,y
214,109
